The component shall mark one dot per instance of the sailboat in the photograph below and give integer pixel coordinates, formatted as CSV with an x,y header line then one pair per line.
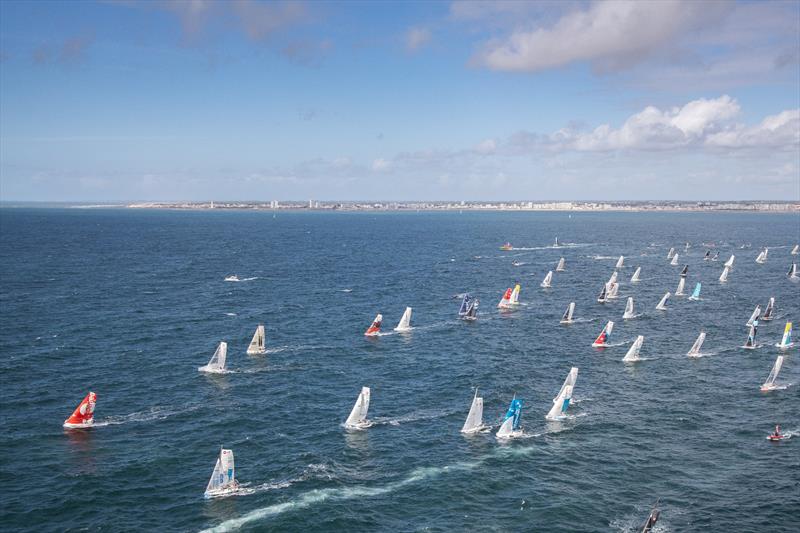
x,y
724,276
375,328
613,278
769,312
750,344
786,340
567,318
635,277
684,271
754,316
83,415
707,257
469,308
681,284
773,375
729,262
716,256
792,271
564,396
652,518
510,426
506,247
670,253
698,344
561,266
515,295
217,363
223,479
257,343
796,249
601,298
620,262
556,244
628,309
633,352
686,248
674,261
662,305
762,257
405,321
696,293
474,421
546,282
358,416
613,291
602,339
505,301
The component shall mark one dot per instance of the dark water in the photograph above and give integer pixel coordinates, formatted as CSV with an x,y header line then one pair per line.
x,y
129,303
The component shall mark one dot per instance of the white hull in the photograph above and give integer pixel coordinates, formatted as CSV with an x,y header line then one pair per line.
x,y
768,388
211,370
479,429
221,493
83,425
359,425
784,346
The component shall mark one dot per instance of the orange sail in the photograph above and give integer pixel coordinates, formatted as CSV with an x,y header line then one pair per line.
x,y
83,416
375,328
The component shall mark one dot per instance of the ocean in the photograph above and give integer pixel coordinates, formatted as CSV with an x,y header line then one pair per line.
x,y
129,303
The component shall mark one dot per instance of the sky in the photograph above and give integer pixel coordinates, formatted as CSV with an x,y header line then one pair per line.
x,y
193,100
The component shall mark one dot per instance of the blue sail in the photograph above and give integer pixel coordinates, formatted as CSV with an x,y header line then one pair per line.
x,y
514,411
696,293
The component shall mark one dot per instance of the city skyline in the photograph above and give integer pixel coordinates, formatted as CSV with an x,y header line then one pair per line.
x,y
245,100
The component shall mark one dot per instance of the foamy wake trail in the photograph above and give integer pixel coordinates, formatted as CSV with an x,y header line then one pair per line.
x,y
428,414
241,279
154,413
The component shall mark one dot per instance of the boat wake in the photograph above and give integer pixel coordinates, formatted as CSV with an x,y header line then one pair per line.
x,y
154,413
230,314
233,279
428,414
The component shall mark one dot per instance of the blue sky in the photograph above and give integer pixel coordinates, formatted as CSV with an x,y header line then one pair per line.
x,y
125,100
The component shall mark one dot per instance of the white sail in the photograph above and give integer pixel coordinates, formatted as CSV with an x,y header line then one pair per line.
x,y
793,271
762,257
674,261
613,291
750,343
729,262
561,265
698,344
679,290
474,420
769,312
223,479
796,249
773,375
670,253
620,261
546,282
564,396
754,316
633,352
257,343
506,429
405,321
358,416
217,362
613,278
724,276
635,277
567,318
662,305
628,309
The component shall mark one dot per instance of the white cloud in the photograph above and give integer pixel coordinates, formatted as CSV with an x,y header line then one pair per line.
x,y
486,147
416,38
777,131
610,34
380,165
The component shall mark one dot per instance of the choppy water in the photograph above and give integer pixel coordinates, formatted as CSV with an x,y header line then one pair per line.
x,y
129,303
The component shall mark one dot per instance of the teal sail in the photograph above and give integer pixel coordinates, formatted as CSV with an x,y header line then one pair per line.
x,y
696,294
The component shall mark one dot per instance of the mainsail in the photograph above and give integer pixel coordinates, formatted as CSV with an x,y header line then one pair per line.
x,y
724,276
405,321
754,316
375,327
796,249
613,278
510,426
474,420
769,312
670,253
628,308
674,261
602,339
707,257
773,375
83,415
217,362
515,295
564,396
633,352
662,305
729,262
681,284
786,340
560,267
547,280
613,291
567,318
636,274
620,262
762,257
358,416
792,271
751,337
698,344
505,301
257,343
462,311
684,271
223,479
602,296
696,294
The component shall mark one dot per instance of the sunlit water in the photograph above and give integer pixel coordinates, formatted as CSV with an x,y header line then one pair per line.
x,y
129,303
